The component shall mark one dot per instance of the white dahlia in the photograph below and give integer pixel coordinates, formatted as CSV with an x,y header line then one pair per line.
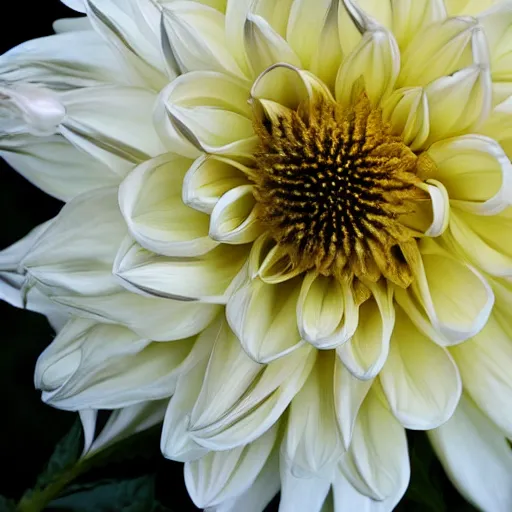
x,y
335,173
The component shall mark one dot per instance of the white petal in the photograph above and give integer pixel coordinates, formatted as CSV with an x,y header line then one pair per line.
x,y
481,240
445,47
312,444
76,5
477,458
88,419
249,399
115,22
128,421
207,111
411,16
420,379
460,102
468,7
208,178
237,11
476,173
264,320
484,364
76,252
220,476
431,216
270,262
101,366
264,46
196,35
346,497
496,23
176,442
64,25
112,123
234,219
285,86
377,461
349,393
313,35
205,277
259,494
407,110
299,494
365,353
58,168
372,66
457,307
73,59
151,204
326,313
154,318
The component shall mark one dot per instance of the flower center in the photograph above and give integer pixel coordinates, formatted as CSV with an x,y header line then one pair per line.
x,y
331,186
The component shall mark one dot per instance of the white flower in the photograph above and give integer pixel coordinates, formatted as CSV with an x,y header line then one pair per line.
x,y
337,174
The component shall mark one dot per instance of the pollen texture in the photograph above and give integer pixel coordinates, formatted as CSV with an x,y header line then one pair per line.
x,y
332,184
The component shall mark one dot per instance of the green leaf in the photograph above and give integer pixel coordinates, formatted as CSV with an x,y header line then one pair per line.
x,y
65,455
134,495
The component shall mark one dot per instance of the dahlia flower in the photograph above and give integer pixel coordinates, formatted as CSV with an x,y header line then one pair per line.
x,y
285,236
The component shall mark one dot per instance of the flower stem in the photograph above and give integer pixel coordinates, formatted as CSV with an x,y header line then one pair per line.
x,y
36,501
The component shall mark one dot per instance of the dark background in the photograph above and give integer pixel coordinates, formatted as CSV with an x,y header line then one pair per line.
x,y
30,429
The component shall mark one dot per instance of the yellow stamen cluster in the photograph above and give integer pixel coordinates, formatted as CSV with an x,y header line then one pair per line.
x,y
331,185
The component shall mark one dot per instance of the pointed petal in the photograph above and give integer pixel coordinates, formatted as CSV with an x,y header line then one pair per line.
x,y
313,35
208,178
476,172
76,252
234,220
445,46
457,307
207,111
349,394
264,320
207,277
326,313
407,110
128,421
365,353
299,494
247,401
176,442
419,397
58,168
377,462
484,363
99,122
346,497
264,46
312,444
480,239
154,318
460,102
197,38
81,368
410,17
372,66
259,494
220,476
151,204
140,59
476,457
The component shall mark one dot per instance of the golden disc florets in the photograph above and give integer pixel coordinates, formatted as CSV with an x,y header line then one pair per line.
x,y
332,184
